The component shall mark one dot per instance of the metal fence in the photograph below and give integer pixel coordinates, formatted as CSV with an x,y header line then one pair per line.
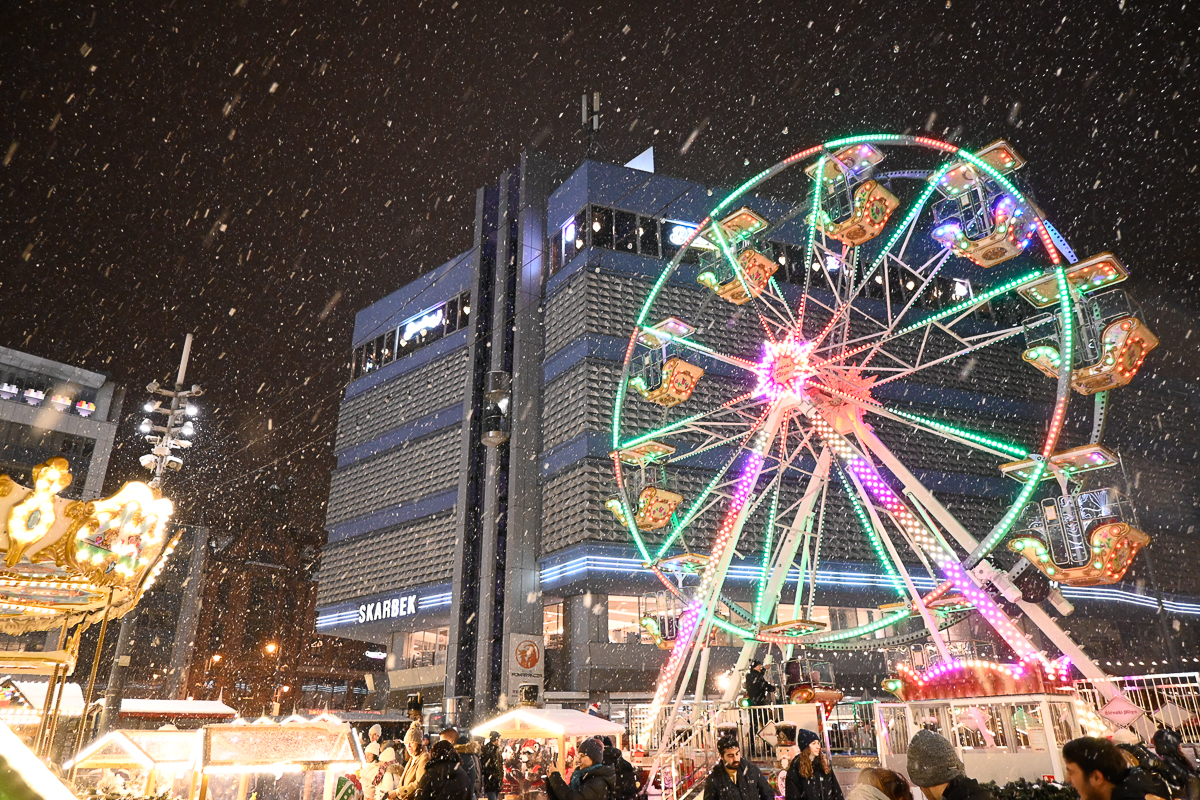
x,y
1171,701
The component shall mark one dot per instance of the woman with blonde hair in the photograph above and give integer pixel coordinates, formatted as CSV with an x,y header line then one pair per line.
x,y
810,775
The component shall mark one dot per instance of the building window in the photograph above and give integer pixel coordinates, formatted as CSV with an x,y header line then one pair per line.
x,y
552,625
421,648
412,334
623,621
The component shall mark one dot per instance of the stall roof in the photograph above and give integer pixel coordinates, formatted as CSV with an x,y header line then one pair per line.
x,y
34,693
146,707
146,749
555,722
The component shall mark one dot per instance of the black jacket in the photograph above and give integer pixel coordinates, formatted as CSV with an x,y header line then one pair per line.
x,y
821,786
964,788
1138,785
599,784
627,787
445,779
758,690
469,754
492,766
751,784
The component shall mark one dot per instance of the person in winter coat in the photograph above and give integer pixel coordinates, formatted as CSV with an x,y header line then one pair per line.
x,y
1098,771
444,778
469,754
732,778
627,787
591,780
1181,777
387,780
414,769
810,775
937,770
368,773
491,767
758,689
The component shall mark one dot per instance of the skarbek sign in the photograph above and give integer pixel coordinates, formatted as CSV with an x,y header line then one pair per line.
x,y
402,606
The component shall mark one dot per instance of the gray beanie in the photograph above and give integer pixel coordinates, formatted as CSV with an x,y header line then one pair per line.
x,y
932,760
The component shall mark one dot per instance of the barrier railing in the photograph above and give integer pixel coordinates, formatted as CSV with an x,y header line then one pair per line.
x,y
1171,700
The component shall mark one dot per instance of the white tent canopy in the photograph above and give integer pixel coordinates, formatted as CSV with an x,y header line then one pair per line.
x,y
548,722
560,724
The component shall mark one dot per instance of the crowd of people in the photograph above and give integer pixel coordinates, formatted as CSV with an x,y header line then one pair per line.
x,y
1098,769
455,768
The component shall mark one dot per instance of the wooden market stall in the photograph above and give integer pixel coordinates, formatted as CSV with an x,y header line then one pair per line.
x,y
145,762
559,725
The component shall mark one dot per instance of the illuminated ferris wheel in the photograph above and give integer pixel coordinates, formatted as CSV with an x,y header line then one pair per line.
x,y
763,415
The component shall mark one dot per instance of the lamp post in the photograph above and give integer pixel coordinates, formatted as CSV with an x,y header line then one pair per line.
x,y
174,434
211,663
273,650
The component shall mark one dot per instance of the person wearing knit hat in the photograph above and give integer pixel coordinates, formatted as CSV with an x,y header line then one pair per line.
x,y
376,732
592,778
935,767
370,770
810,776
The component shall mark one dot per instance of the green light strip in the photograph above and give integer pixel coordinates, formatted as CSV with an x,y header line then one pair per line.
x,y
869,137
1010,517
974,301
978,438
812,235
914,212
863,630
864,520
766,555
731,628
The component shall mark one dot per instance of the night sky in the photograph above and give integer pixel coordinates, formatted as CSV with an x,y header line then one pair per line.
x,y
256,171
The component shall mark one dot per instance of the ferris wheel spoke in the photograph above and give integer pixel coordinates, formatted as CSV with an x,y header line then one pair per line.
x,y
975,347
737,406
695,346
946,430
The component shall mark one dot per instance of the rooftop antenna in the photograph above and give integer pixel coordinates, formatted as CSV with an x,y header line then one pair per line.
x,y
591,122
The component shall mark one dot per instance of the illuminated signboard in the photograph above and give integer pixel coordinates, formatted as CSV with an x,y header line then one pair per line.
x,y
425,321
393,608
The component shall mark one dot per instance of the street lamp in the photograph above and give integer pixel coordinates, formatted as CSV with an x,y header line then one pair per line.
x,y
164,439
273,650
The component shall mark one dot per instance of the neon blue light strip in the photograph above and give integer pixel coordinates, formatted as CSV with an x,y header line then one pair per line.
x,y
865,580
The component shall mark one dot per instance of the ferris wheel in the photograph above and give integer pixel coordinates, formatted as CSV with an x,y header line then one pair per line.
x,y
840,363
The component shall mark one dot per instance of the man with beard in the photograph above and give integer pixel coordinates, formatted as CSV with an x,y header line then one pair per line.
x,y
734,779
1098,771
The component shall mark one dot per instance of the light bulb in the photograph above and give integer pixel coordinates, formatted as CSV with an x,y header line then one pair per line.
x,y
148,407
188,429
191,410
145,426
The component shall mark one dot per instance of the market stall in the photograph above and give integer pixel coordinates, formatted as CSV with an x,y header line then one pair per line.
x,y
536,741
296,759
145,763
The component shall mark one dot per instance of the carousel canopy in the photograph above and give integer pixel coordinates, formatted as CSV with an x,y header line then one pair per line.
x,y
71,561
547,722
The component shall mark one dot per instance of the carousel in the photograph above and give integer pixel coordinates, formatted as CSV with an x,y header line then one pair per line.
x,y
67,565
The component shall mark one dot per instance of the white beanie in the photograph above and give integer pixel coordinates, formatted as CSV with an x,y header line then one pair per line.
x,y
387,756
373,749
376,730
